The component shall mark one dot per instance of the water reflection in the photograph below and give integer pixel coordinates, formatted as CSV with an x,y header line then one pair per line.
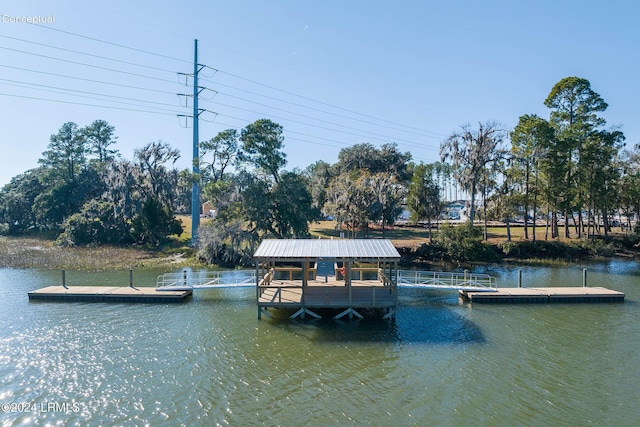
x,y
210,361
413,325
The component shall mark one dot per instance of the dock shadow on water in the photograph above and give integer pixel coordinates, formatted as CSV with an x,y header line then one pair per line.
x,y
432,324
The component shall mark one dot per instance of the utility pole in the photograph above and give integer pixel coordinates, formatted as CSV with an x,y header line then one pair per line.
x,y
195,190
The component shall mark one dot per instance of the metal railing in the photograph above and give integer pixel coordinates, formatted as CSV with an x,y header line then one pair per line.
x,y
445,280
206,279
247,278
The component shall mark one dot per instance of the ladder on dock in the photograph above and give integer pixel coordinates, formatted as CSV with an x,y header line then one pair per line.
x,y
446,281
206,280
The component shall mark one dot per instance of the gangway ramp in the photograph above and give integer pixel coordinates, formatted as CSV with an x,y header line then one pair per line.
x,y
190,280
446,281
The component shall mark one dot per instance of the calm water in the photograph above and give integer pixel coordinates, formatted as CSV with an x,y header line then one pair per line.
x,y
211,362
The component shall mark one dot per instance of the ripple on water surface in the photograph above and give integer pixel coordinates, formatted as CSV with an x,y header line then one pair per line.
x,y
210,361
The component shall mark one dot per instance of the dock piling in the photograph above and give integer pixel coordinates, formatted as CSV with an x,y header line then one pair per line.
x,y
519,278
131,278
584,277
64,279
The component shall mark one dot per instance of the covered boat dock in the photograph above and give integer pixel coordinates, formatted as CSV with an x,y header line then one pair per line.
x,y
363,277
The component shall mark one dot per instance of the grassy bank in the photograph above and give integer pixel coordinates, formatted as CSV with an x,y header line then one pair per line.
x,y
41,252
36,252
413,243
30,252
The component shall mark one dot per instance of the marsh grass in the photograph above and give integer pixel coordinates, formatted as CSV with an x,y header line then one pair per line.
x,y
29,252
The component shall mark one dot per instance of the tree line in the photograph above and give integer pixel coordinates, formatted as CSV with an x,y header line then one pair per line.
x,y
568,169
83,192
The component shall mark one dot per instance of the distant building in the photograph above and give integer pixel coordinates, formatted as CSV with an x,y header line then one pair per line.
x,y
455,211
208,210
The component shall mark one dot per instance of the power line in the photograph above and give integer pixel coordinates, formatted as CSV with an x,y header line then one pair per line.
x,y
279,109
55,89
313,109
320,102
88,105
422,131
436,135
289,138
374,136
87,54
112,44
88,65
86,80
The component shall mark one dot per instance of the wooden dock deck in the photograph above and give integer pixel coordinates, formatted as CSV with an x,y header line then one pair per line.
x,y
115,294
330,294
545,295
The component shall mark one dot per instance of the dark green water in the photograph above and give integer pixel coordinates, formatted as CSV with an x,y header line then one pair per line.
x,y
211,362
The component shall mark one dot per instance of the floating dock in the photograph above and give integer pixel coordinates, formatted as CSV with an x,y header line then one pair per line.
x,y
116,294
544,295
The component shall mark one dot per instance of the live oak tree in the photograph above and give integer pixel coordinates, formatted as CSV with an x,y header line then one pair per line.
x,y
368,184
260,199
262,142
319,175
387,194
471,153
157,178
218,154
17,201
349,200
283,209
366,157
137,206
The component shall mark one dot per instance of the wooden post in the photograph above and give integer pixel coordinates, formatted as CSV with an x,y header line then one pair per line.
x,y
64,279
131,278
584,277
519,278
305,273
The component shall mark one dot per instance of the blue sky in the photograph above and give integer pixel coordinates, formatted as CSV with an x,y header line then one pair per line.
x,y
332,73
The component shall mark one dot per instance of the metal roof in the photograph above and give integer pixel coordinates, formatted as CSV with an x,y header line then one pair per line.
x,y
301,249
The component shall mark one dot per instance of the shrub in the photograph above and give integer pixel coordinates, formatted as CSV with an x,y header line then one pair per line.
x,y
464,243
154,223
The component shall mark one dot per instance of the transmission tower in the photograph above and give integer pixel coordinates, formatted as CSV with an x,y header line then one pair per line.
x,y
195,190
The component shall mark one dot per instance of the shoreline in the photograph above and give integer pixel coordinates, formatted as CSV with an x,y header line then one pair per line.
x,y
34,252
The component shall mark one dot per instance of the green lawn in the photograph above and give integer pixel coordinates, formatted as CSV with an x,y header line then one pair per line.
x,y
412,235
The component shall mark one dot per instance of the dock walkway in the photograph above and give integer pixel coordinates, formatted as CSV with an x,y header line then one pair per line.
x,y
108,294
545,295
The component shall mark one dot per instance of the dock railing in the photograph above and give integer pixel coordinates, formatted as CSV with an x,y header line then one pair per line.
x,y
292,273
446,280
206,279
358,273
